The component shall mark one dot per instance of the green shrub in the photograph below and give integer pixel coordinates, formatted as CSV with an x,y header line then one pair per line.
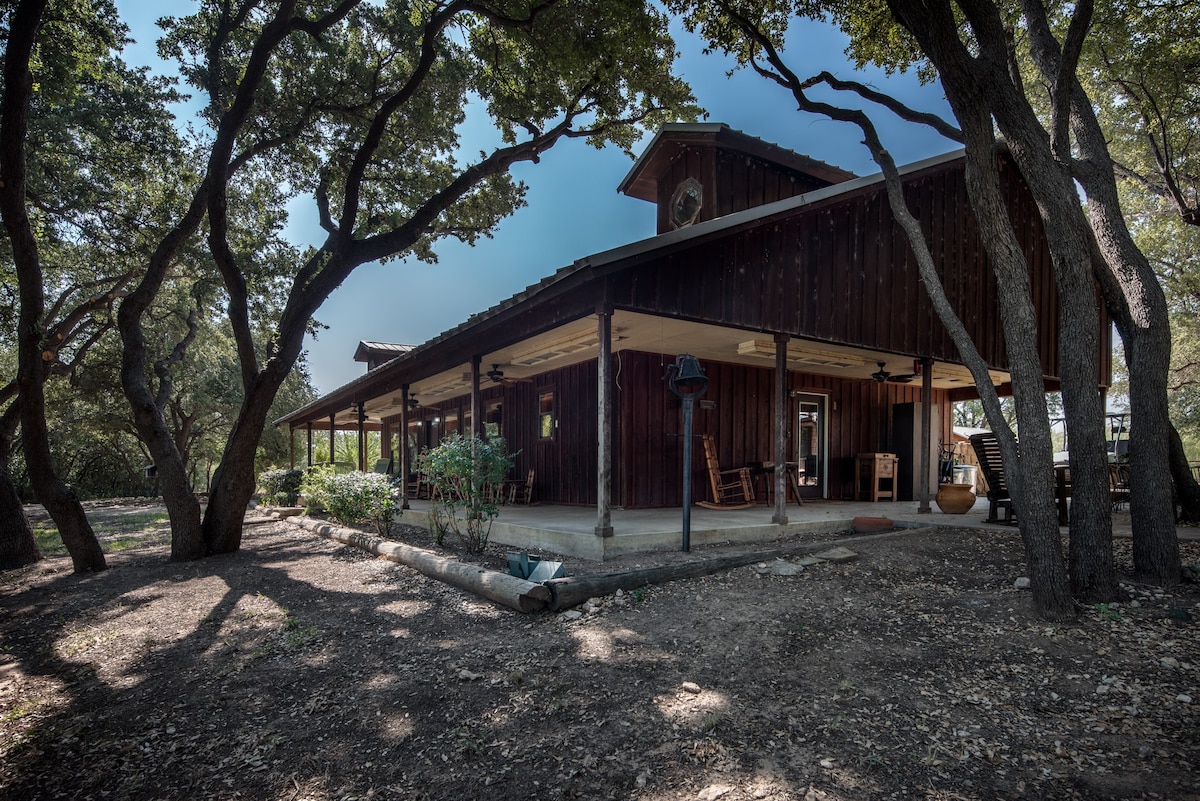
x,y
281,487
461,470
352,498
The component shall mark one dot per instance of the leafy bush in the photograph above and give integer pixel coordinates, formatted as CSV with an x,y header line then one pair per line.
x,y
281,487
352,498
461,471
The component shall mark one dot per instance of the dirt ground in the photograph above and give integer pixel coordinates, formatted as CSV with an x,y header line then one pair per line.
x,y
303,669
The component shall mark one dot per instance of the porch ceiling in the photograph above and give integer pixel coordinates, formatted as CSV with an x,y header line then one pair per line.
x,y
576,342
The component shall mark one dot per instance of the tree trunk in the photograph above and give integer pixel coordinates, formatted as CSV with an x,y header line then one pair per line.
x,y
979,83
1090,548
18,547
1032,470
187,540
58,499
1139,310
17,544
234,481
1131,292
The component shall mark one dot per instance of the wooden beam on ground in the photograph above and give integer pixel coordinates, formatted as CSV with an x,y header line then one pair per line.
x,y
515,593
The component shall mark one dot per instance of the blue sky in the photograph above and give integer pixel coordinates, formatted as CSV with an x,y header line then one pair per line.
x,y
573,207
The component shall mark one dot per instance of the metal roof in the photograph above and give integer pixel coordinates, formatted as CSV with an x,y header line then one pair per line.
x,y
586,267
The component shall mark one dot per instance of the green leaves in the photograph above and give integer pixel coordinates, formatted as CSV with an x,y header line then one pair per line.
x,y
281,487
352,498
465,473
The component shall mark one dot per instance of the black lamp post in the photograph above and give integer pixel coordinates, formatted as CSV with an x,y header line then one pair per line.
x,y
687,380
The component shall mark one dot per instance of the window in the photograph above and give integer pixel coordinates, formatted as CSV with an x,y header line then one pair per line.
x,y
493,415
686,203
547,421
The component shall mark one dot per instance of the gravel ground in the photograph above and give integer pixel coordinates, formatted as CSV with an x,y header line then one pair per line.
x,y
302,669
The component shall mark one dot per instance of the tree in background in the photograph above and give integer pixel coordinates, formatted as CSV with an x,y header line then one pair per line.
x,y
71,206
359,105
1142,70
1144,78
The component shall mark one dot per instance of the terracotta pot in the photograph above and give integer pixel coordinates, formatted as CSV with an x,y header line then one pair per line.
x,y
955,499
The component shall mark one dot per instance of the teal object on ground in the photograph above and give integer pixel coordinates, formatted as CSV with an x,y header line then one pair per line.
x,y
530,568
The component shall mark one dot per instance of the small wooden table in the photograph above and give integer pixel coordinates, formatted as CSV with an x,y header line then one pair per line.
x,y
875,477
791,470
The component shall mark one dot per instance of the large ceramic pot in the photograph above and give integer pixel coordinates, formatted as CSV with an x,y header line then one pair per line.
x,y
955,499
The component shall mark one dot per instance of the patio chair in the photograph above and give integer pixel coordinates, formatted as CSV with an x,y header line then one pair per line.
x,y
522,491
991,463
419,487
731,489
1118,484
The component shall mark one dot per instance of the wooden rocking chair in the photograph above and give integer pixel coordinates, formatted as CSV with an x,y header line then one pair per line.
x,y
731,489
521,492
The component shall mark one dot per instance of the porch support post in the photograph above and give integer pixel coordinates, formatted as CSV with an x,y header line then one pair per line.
x,y
308,429
476,484
332,430
604,424
362,437
781,409
476,401
291,447
404,448
926,433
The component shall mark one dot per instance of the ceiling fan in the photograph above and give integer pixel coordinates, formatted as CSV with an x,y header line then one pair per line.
x,y
883,375
497,376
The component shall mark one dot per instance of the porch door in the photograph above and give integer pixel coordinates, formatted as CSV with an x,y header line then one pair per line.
x,y
811,451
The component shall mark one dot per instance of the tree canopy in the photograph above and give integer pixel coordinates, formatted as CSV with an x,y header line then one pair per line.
x,y
360,106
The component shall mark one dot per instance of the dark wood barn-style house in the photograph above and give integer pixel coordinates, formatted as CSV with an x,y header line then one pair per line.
x,y
786,277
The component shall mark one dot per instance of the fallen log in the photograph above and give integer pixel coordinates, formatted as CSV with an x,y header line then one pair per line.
x,y
515,593
574,590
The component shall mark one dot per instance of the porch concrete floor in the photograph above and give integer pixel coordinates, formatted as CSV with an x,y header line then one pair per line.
x,y
570,530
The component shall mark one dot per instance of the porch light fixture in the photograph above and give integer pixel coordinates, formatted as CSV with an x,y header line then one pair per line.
x,y
413,402
687,380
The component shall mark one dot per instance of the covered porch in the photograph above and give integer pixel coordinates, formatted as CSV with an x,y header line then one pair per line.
x,y
569,530
805,309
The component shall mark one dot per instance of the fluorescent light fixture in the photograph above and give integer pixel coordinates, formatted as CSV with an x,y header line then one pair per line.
x,y
956,374
452,385
545,352
384,405
765,348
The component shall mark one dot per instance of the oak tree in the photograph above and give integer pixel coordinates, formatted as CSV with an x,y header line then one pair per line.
x,y
360,107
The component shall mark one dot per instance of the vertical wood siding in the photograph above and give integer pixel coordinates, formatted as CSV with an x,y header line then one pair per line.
x,y
731,182
838,272
843,272
649,449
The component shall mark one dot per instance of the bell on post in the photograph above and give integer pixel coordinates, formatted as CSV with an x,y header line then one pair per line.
x,y
687,376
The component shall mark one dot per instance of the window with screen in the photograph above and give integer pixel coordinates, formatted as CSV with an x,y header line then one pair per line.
x,y
547,419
